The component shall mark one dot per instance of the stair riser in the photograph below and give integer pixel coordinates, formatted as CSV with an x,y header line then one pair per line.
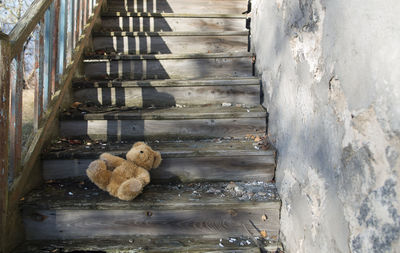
x,y
112,130
171,44
170,68
172,24
80,224
170,96
190,169
180,6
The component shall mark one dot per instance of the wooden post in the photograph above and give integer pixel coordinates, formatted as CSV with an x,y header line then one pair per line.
x,y
4,128
16,118
62,37
70,33
38,98
54,54
77,21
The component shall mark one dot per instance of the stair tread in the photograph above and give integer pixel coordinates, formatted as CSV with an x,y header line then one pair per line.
x,y
160,34
74,195
172,113
82,83
241,244
170,15
63,149
101,58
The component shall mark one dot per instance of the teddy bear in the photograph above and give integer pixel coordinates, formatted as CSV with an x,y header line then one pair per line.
x,y
124,179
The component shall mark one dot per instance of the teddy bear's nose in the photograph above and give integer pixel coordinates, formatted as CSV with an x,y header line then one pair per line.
x,y
141,151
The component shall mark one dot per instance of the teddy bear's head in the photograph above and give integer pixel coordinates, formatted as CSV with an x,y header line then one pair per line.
x,y
142,155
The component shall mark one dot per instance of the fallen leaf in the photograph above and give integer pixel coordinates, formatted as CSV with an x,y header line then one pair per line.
x,y
22,199
264,233
76,105
264,217
257,139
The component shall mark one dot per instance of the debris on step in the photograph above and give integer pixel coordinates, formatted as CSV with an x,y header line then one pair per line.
x,y
226,104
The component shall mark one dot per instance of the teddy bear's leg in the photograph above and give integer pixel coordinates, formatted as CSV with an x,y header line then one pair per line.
x,y
98,174
111,161
130,189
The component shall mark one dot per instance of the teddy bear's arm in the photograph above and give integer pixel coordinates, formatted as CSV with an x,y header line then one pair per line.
x,y
112,161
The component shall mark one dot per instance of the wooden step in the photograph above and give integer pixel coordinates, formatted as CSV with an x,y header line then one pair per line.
x,y
179,6
139,244
166,124
170,42
169,66
172,23
184,161
64,210
166,93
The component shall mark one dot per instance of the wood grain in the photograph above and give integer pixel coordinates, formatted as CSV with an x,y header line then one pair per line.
x,y
172,24
170,96
171,44
149,244
162,129
170,69
4,133
181,6
221,222
192,169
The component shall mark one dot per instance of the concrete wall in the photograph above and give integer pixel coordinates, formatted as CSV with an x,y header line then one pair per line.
x,y
331,79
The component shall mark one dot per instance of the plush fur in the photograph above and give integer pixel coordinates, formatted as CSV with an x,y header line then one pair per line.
x,y
124,179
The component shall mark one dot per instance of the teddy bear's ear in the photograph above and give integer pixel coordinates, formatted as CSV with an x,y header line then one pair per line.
x,y
138,144
157,159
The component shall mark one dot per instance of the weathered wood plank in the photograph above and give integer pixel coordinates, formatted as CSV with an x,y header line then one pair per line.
x,y
27,24
237,167
170,96
112,57
170,44
172,15
163,34
75,210
71,224
148,244
162,129
169,149
170,69
82,84
172,24
175,113
5,59
180,6
44,132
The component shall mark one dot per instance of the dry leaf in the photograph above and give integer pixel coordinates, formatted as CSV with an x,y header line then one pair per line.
x,y
264,233
257,139
76,105
264,217
22,199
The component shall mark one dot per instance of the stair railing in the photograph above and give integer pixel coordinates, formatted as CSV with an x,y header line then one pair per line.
x,y
61,29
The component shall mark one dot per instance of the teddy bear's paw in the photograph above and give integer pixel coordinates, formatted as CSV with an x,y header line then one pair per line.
x,y
130,189
98,174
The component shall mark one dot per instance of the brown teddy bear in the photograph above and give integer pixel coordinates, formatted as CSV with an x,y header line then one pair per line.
x,y
124,179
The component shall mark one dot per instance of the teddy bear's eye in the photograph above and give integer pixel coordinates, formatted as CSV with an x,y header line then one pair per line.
x,y
141,151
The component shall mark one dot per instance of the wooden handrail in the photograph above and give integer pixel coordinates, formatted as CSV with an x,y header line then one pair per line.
x,y
56,70
27,24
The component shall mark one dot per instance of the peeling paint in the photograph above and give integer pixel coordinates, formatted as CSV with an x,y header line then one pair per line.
x,y
333,99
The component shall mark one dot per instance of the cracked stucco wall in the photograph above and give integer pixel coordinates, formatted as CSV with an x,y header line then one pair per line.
x,y
331,79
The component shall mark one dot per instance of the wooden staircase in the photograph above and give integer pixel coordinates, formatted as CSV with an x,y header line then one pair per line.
x,y
176,74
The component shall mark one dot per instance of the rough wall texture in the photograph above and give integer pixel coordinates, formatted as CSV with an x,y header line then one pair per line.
x,y
331,79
